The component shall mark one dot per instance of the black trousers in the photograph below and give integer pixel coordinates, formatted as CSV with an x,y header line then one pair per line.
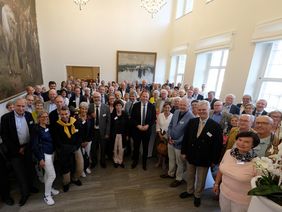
x,y
138,137
23,167
4,182
97,142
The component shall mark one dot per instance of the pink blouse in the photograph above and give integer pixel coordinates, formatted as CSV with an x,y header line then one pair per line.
x,y
236,178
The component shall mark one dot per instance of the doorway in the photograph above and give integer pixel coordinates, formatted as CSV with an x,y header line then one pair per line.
x,y
88,73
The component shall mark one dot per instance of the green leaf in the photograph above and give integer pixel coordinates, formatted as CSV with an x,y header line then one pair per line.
x,y
264,190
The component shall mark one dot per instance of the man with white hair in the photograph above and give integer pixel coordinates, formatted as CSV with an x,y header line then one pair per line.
x,y
260,106
160,102
229,106
268,141
202,144
175,133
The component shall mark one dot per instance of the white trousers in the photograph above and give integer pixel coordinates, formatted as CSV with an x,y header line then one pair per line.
x,y
118,150
50,173
175,159
227,205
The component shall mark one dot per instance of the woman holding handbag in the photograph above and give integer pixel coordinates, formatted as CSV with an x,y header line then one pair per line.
x,y
163,121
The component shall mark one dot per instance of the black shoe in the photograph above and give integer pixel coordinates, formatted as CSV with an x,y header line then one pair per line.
x,y
133,165
166,176
66,187
122,165
144,167
77,182
185,194
34,190
176,183
103,165
23,200
197,202
116,165
8,200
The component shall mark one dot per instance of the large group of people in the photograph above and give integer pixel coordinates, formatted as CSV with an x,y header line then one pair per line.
x,y
83,124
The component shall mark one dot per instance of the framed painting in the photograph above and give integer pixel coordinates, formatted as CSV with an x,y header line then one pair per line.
x,y
20,63
132,66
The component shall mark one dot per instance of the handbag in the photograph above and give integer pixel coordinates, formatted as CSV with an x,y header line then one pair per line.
x,y
162,146
162,149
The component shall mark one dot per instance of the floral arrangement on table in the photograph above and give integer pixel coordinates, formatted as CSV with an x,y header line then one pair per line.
x,y
269,184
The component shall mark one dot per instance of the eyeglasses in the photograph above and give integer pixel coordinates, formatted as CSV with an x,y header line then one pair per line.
x,y
262,123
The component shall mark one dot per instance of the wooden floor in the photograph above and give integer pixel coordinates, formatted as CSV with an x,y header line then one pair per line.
x,y
117,189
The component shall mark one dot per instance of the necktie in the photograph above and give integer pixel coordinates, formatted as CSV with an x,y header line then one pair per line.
x,y
200,128
97,116
130,108
143,115
257,114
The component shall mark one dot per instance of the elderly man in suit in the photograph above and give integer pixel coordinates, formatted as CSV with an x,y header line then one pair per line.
x,y
219,116
202,144
100,122
229,106
76,99
175,132
246,99
211,98
197,94
260,106
143,117
52,86
50,105
16,128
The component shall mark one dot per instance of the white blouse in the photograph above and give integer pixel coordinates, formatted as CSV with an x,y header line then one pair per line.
x,y
163,122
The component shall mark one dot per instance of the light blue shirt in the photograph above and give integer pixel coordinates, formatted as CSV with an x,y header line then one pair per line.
x,y
260,149
22,129
217,117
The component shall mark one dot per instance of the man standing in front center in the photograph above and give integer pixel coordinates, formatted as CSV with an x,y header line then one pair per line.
x,y
143,116
201,146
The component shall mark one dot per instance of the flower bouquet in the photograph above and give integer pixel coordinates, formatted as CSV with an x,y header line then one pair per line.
x,y
269,184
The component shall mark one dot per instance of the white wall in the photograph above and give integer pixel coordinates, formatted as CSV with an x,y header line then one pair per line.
x,y
92,36
221,16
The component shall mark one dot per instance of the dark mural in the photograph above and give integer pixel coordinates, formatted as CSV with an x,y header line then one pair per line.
x,y
19,48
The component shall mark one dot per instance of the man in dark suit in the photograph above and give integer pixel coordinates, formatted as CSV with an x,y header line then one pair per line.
x,y
76,99
16,128
260,106
246,99
100,122
104,96
143,117
51,85
211,98
202,144
197,94
229,106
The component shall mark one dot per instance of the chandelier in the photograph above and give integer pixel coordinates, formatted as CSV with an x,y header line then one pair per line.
x,y
153,6
80,3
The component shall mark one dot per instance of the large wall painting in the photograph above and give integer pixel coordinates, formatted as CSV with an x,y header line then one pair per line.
x,y
132,66
20,63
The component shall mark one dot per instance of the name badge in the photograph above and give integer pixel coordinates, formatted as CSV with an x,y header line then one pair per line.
x,y
104,115
181,122
83,122
31,122
240,162
76,130
73,101
46,130
116,118
209,134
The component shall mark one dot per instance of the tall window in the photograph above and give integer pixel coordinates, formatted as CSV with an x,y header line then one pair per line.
x,y
210,69
270,77
183,7
177,68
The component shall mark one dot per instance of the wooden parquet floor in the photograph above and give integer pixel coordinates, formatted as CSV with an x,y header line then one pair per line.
x,y
116,189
